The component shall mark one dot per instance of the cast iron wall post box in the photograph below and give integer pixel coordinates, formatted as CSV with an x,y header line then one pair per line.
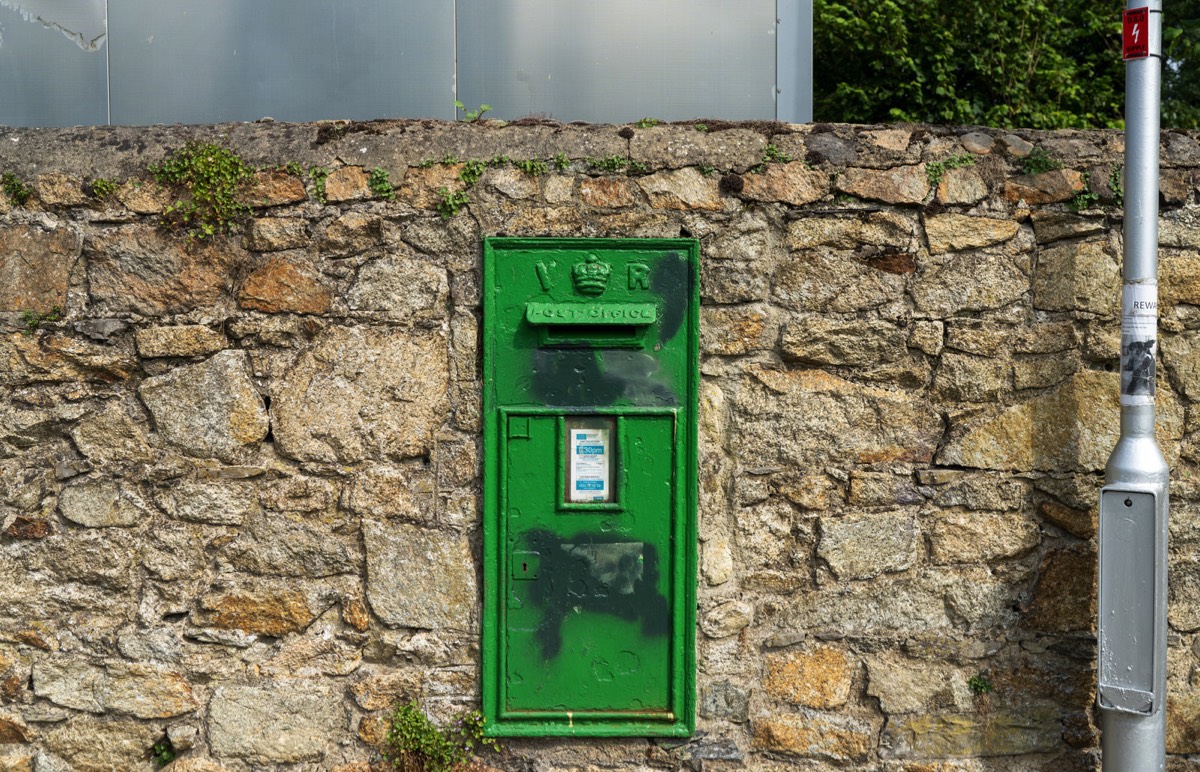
x,y
590,357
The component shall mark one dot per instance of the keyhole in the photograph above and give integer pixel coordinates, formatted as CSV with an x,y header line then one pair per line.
x,y
1129,502
524,567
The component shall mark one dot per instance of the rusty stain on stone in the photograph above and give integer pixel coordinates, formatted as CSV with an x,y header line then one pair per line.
x,y
273,614
816,677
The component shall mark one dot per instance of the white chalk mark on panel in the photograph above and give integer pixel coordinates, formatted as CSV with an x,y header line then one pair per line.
x,y
82,21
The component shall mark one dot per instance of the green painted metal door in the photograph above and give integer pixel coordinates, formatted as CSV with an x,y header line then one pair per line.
x,y
587,626
591,379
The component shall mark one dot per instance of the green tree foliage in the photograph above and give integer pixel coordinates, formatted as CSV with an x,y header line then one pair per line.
x,y
1006,63
1181,66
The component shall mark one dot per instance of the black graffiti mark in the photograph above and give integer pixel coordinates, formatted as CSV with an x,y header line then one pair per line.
x,y
644,381
591,377
595,573
573,377
672,281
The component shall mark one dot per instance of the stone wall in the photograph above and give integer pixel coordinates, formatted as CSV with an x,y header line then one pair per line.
x,y
240,476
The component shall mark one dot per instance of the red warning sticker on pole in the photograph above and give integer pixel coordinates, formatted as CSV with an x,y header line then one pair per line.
x,y
1137,33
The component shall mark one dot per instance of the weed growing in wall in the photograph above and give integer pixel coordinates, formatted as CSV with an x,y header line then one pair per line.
x,y
162,752
979,684
561,162
317,175
209,180
534,167
937,169
1116,183
470,116
1039,161
771,154
14,189
101,188
451,202
34,319
415,744
471,172
1084,199
612,163
380,184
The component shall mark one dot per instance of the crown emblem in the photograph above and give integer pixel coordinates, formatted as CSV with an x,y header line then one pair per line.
x,y
591,276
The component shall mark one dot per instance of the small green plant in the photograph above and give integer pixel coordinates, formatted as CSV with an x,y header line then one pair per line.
x,y
706,169
617,163
449,159
162,752
561,162
101,188
701,127
1116,183
771,154
612,163
1083,200
646,123
428,163
211,179
318,175
935,170
979,684
470,116
34,319
415,744
380,184
471,172
1039,161
534,167
452,201
14,189
499,160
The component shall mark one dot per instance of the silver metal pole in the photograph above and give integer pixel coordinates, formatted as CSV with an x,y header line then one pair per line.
x,y
1133,505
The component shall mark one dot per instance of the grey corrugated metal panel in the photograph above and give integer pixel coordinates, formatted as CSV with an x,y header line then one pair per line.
x,y
794,61
618,60
48,79
206,61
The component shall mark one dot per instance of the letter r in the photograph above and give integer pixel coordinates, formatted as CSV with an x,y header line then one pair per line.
x,y
639,276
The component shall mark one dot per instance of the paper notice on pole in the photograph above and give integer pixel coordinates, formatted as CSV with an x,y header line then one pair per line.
x,y
590,466
1139,341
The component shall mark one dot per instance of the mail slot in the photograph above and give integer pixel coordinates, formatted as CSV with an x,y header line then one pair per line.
x,y
591,374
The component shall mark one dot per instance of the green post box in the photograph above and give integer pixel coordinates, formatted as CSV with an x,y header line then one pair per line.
x,y
590,357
